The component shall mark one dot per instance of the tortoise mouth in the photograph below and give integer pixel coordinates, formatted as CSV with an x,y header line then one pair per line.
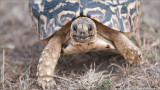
x,y
83,39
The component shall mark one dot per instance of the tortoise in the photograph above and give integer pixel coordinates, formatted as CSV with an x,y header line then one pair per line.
x,y
74,26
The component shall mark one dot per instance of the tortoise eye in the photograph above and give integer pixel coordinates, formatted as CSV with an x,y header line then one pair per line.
x,y
75,28
90,28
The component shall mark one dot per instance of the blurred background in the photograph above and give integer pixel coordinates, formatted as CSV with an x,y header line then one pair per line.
x,y
22,49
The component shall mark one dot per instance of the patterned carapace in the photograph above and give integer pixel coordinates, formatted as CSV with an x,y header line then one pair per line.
x,y
50,15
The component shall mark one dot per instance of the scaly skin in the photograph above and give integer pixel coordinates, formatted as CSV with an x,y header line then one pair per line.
x,y
126,48
48,61
129,51
52,51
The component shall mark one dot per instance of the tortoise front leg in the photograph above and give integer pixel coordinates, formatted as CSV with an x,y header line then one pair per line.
x,y
48,61
127,49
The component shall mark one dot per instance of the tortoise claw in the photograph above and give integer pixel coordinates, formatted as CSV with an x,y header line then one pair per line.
x,y
133,56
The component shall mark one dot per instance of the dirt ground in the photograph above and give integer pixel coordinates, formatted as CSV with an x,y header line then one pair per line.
x,y
20,50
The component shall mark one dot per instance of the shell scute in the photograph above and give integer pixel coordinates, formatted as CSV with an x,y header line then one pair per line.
x,y
50,15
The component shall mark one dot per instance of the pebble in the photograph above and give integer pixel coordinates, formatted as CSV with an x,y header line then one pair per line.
x,y
150,71
144,81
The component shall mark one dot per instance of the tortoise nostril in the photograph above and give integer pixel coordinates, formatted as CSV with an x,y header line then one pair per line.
x,y
82,33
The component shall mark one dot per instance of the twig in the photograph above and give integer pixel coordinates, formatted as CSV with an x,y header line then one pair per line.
x,y
62,78
112,64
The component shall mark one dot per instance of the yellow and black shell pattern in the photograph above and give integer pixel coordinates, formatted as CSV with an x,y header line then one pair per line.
x,y
50,15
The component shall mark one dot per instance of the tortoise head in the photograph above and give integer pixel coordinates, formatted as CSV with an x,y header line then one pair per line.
x,y
83,30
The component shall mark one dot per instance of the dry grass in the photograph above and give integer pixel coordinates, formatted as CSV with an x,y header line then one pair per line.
x,y
91,71
2,70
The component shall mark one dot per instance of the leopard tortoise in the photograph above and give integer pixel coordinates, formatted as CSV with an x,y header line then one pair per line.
x,y
74,26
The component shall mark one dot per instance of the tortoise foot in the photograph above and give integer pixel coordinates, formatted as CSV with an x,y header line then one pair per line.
x,y
46,82
133,55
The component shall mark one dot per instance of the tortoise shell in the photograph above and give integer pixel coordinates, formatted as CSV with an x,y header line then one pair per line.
x,y
50,15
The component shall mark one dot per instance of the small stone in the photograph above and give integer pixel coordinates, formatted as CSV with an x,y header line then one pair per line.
x,y
134,65
150,71
115,78
144,81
